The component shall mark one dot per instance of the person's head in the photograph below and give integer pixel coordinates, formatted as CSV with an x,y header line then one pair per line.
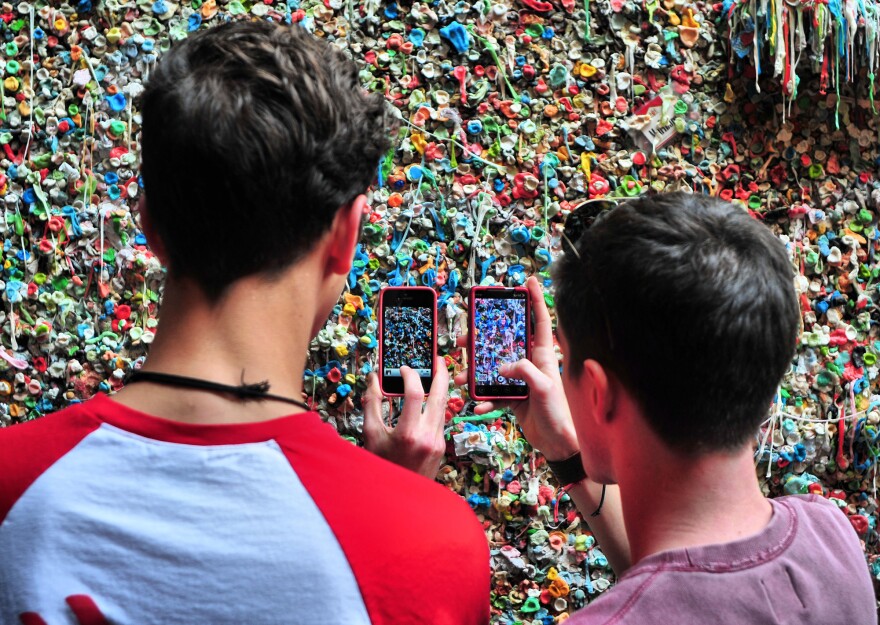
x,y
258,143
676,312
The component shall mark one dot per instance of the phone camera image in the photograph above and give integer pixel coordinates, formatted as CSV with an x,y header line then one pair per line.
x,y
407,340
500,338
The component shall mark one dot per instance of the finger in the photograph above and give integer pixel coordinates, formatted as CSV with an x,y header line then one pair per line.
x,y
462,340
373,424
413,396
527,371
543,336
488,406
461,378
435,407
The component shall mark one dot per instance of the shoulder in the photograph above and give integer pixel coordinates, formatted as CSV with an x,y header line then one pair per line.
x,y
829,554
405,536
816,510
812,504
366,483
28,449
622,603
809,502
827,541
820,519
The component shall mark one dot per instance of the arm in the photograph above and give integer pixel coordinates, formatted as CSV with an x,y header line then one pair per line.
x,y
608,527
546,422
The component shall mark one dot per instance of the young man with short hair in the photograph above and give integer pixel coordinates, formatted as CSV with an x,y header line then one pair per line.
x,y
677,319
190,496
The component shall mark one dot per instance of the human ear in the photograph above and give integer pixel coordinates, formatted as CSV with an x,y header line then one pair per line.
x,y
601,392
344,234
149,230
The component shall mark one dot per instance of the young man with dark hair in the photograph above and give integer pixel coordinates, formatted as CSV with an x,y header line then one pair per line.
x,y
677,319
191,497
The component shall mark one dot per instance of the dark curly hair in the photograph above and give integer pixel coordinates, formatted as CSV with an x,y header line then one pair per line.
x,y
254,135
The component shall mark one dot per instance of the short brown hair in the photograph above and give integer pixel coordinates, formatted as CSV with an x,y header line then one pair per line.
x,y
690,302
254,134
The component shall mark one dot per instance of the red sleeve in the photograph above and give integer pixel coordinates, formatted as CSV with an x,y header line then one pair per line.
x,y
27,450
416,549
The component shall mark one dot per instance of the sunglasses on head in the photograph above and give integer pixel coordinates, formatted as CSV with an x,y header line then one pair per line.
x,y
583,217
578,222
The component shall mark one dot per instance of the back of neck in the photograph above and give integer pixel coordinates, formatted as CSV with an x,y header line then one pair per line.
x,y
261,334
675,502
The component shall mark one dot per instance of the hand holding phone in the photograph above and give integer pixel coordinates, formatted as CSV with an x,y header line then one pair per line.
x,y
544,416
500,334
408,336
417,442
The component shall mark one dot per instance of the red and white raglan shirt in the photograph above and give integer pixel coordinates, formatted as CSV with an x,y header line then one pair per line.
x,y
111,515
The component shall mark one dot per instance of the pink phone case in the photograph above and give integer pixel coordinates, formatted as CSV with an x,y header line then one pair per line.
x,y
474,294
382,293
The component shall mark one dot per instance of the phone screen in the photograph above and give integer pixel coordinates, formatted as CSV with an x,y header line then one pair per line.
x,y
500,326
408,317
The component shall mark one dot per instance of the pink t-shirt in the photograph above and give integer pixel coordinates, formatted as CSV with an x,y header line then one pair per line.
x,y
805,568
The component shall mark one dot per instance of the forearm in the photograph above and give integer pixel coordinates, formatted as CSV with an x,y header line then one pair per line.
x,y
608,527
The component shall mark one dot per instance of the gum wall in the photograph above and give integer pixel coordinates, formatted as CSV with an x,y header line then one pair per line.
x,y
512,113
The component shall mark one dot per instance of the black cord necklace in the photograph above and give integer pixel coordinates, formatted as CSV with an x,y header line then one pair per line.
x,y
259,390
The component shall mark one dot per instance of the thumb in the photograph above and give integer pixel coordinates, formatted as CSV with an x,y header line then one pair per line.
x,y
527,371
374,427
435,408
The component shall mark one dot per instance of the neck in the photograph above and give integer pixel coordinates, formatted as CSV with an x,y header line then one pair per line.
x,y
256,330
672,501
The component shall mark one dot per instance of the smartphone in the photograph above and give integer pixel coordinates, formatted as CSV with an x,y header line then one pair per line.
x,y
500,333
408,331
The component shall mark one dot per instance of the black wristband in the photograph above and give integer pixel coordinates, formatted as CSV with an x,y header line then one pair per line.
x,y
568,471
601,501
